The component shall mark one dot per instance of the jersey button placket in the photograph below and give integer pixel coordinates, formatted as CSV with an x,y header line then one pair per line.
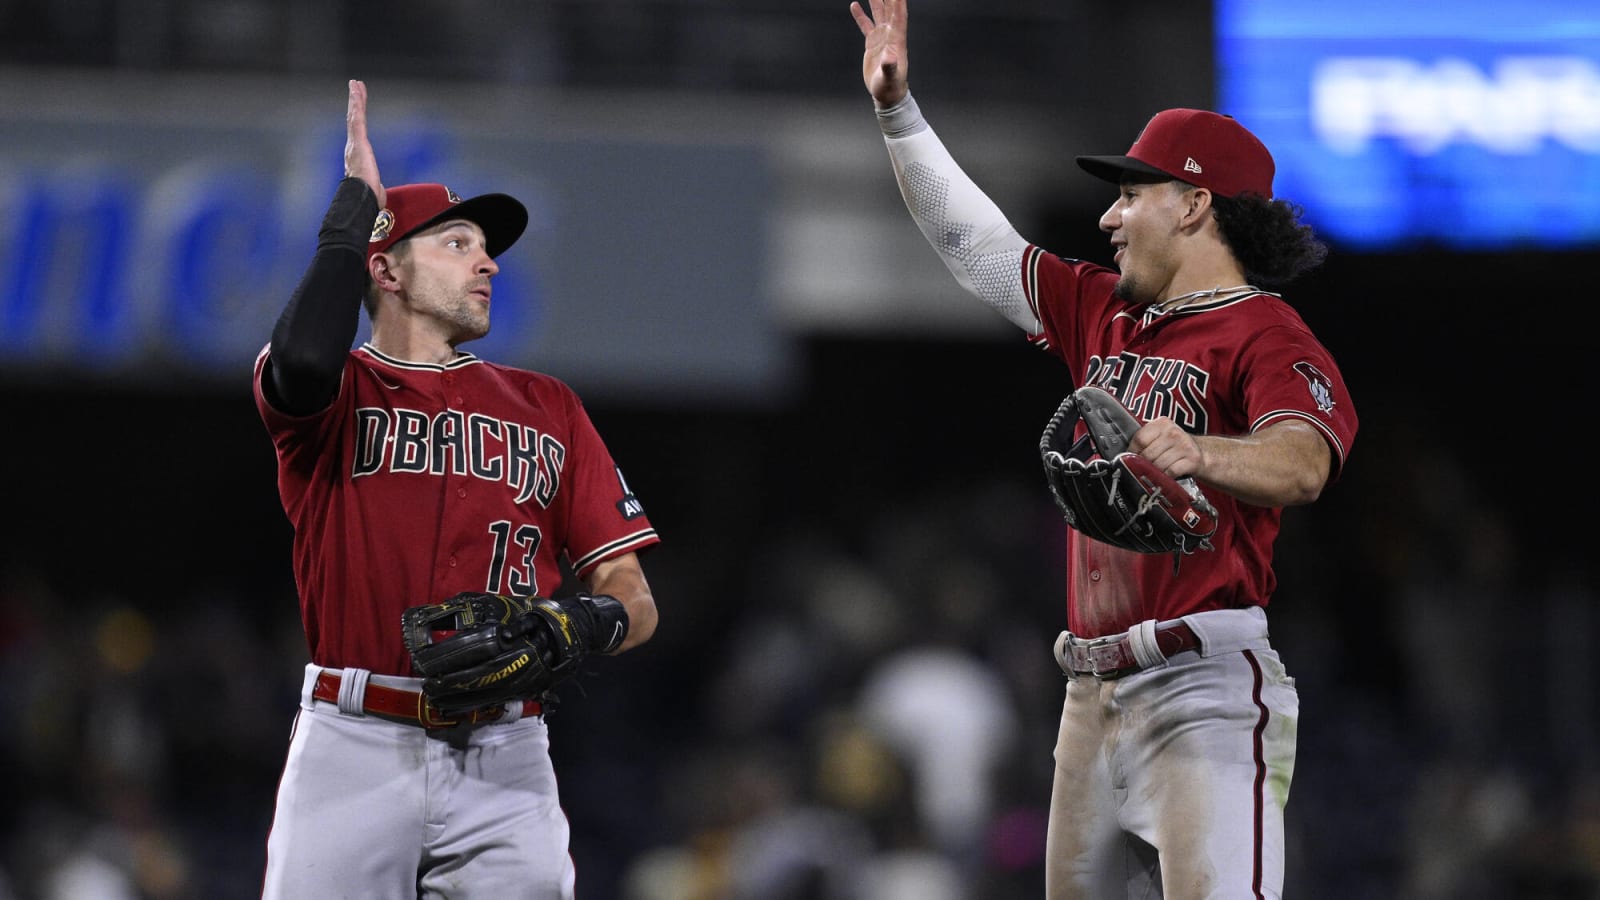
x,y
452,401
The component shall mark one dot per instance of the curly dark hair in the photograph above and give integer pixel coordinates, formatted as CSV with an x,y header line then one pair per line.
x,y
1267,237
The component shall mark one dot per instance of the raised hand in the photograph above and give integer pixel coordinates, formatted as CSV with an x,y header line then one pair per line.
x,y
359,160
884,64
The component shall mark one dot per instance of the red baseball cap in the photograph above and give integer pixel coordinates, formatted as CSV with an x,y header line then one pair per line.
x,y
410,208
1206,149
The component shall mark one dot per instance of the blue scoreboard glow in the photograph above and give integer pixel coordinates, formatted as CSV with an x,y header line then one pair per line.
x,y
1467,124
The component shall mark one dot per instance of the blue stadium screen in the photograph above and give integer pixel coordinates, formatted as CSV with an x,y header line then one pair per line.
x,y
1470,124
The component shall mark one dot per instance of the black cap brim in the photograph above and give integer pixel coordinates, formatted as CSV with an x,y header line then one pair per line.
x,y
1113,168
502,217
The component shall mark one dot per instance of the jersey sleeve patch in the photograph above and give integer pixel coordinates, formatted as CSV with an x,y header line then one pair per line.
x,y
1320,385
629,505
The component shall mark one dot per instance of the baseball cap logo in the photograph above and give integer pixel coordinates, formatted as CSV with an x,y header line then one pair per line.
x,y
411,208
382,227
1174,141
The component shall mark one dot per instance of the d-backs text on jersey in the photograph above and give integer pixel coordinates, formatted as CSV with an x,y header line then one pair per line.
x,y
1154,386
406,440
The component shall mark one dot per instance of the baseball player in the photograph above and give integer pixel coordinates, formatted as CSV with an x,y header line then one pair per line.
x,y
412,471
1177,738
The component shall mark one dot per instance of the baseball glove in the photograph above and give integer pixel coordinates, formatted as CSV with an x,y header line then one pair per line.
x,y
476,650
1113,495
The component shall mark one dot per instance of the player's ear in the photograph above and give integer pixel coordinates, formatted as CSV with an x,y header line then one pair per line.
x,y
1197,206
382,268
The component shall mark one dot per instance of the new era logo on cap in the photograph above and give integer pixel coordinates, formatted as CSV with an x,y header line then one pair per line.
x,y
410,208
1203,148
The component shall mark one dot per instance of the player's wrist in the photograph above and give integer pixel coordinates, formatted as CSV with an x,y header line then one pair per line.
x,y
901,119
348,222
605,618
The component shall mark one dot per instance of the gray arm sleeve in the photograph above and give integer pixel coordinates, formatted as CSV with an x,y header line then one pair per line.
x,y
965,227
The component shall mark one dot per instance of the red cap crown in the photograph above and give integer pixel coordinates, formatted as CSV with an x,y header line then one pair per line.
x,y
1204,148
410,208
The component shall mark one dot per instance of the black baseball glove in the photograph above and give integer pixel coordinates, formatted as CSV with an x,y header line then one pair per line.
x,y
1113,495
476,650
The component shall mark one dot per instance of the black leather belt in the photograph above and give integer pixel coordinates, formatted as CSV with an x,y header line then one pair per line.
x,y
1108,658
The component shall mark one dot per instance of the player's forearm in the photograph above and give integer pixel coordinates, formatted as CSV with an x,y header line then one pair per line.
x,y
968,231
1284,465
318,325
623,579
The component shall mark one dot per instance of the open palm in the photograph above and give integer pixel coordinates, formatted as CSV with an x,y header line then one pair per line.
x,y
884,62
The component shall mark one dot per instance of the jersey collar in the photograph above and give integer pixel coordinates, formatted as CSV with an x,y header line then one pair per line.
x,y
463,358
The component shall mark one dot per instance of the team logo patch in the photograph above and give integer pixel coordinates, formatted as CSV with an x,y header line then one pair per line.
x,y
382,227
1320,385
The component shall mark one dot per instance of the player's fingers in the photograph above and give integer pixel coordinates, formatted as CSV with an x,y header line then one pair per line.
x,y
1143,440
355,128
1174,453
890,12
355,115
862,21
1172,462
359,160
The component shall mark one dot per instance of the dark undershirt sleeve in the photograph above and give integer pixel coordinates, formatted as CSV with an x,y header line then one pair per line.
x,y
313,336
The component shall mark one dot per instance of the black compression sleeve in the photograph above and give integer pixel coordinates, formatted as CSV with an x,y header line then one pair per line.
x,y
314,334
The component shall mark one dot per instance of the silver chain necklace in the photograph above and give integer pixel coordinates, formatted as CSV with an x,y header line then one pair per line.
x,y
1172,303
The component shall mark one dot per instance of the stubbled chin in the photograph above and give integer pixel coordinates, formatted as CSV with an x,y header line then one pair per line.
x,y
472,329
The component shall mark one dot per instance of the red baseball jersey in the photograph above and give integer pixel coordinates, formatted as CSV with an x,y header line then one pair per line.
x,y
1226,366
422,481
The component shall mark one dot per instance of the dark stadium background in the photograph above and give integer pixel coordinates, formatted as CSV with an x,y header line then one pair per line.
x,y
1437,605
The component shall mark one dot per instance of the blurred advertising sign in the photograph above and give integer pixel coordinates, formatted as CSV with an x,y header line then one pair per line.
x,y
164,247
1466,124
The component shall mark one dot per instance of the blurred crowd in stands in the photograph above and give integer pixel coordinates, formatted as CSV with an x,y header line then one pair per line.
x,y
852,696
759,46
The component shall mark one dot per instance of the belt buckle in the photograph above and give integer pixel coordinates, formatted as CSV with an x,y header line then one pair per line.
x,y
1094,663
425,713
1087,647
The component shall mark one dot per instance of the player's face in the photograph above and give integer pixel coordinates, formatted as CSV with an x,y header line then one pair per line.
x,y
447,279
1143,224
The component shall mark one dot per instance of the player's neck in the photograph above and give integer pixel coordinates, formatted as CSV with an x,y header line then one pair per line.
x,y
1199,280
411,345
1201,296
